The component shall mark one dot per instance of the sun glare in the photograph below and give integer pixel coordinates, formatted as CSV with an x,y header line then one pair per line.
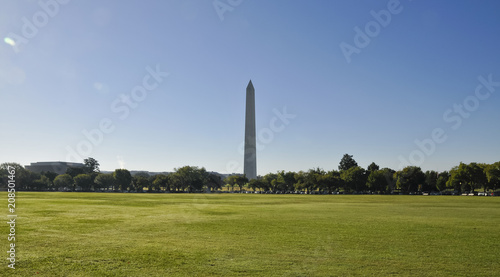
x,y
9,41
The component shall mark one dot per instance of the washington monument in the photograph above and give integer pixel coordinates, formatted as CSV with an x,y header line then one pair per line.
x,y
250,163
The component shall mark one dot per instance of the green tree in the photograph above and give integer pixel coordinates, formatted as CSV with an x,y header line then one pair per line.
x,y
467,177
441,180
50,175
271,181
214,181
329,181
33,181
492,173
43,183
354,179
347,162
476,176
256,184
300,181
241,181
23,178
140,182
191,178
231,181
313,179
152,185
376,181
372,167
286,180
84,181
389,179
73,171
337,180
123,179
63,181
3,178
457,177
91,165
162,181
175,183
104,180
410,179
430,183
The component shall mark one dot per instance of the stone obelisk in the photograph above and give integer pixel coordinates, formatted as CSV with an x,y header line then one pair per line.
x,y
250,163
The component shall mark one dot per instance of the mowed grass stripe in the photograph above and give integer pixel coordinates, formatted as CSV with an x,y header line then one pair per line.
x,y
106,234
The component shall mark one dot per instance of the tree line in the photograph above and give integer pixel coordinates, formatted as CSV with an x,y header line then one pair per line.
x,y
89,178
349,178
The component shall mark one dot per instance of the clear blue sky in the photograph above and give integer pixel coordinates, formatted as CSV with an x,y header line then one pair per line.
x,y
72,71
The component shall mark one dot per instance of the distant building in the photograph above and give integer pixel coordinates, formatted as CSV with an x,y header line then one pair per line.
x,y
57,167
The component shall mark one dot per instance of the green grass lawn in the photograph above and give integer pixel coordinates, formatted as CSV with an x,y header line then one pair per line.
x,y
107,234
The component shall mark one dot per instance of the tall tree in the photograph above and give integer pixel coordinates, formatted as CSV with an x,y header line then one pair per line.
x,y
287,180
430,183
91,165
410,179
271,181
389,179
457,177
241,181
492,173
372,167
123,178
300,181
347,162
441,180
376,181
476,176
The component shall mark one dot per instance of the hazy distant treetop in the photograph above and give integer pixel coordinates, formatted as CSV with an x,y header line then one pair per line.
x,y
142,174
347,162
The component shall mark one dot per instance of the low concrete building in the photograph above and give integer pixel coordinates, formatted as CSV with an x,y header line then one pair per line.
x,y
57,167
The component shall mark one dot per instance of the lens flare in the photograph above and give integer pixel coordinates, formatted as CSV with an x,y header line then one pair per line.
x,y
9,41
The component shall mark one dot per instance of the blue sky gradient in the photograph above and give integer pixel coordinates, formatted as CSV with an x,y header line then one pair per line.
x,y
397,89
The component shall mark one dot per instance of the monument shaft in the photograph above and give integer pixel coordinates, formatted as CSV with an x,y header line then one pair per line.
x,y
250,163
